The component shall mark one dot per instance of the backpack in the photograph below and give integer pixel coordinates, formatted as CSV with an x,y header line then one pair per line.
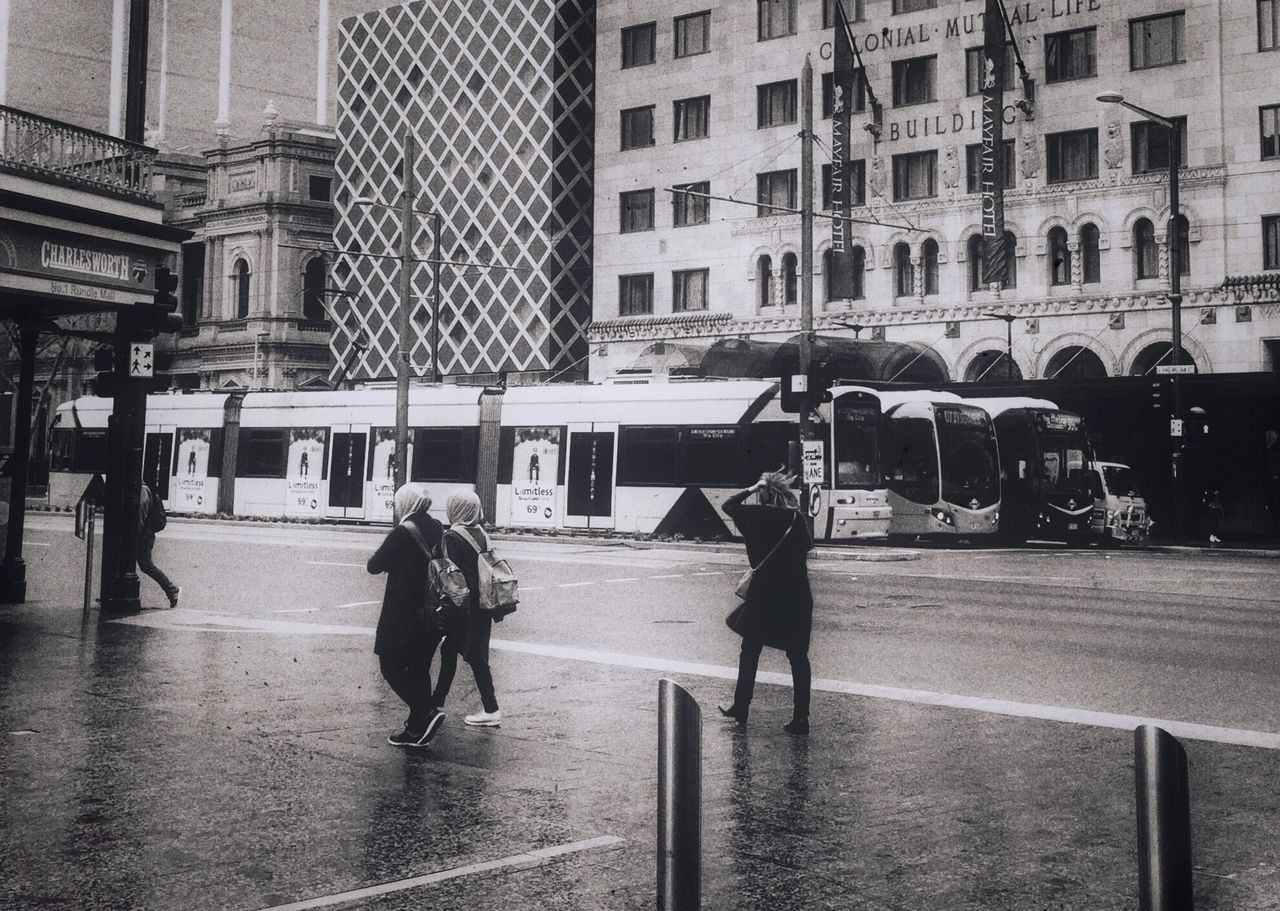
x,y
444,603
499,589
156,518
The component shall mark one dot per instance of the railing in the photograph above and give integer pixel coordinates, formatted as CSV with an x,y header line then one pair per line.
x,y
313,325
42,147
191,200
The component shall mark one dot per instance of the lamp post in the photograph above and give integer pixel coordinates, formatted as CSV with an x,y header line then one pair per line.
x,y
1008,319
1175,303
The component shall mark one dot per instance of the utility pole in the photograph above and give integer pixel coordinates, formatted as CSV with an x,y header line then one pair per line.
x,y
806,261
1175,353
407,194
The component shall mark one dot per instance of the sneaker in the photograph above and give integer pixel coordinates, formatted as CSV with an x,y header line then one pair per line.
x,y
484,719
1214,539
433,728
405,738
797,726
173,597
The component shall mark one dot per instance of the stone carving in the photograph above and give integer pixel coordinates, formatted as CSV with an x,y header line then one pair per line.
x,y
1114,152
1244,315
950,170
878,177
1115,321
1033,325
1030,158
1208,316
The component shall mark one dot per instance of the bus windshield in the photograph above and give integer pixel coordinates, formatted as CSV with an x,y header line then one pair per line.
x,y
855,444
1121,481
970,462
911,459
1063,461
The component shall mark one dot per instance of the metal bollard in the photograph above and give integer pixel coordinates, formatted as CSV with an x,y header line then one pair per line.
x,y
679,799
88,558
1164,821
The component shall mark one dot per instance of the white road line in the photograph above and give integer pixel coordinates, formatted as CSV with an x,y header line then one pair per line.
x,y
669,576
295,610
573,584
356,604
526,860
38,544
323,563
629,579
718,572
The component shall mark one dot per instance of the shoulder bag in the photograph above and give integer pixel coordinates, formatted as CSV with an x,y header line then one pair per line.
x,y
744,583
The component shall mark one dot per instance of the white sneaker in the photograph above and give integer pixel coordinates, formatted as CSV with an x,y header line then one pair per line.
x,y
484,719
1214,539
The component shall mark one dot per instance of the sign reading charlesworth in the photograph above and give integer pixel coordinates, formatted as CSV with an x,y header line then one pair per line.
x,y
46,263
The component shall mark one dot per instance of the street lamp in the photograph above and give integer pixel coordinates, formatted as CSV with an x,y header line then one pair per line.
x,y
856,327
1008,351
1175,299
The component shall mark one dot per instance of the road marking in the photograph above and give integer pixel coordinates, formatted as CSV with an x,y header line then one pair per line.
x,y
718,572
525,860
574,584
629,579
356,604
323,563
669,576
38,544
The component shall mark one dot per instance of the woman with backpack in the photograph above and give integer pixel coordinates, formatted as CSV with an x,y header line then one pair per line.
x,y
403,643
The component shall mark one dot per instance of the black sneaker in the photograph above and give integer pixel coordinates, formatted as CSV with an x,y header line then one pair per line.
x,y
433,728
733,712
798,727
405,738
173,597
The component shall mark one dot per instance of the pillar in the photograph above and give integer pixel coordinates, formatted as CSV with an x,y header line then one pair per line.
x,y
13,572
223,123
162,107
115,115
4,51
322,65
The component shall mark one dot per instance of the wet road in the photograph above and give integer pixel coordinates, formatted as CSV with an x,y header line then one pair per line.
x,y
940,772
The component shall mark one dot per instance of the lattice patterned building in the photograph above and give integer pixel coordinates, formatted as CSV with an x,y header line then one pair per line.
x,y
500,99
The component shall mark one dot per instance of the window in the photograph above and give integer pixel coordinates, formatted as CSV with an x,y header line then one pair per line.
x,y
915,175
637,211
858,265
708,456
635,294
790,276
692,118
1070,55
691,210
904,272
693,34
1010,260
444,454
242,278
1268,25
1146,258
1059,257
637,128
1271,242
776,18
1150,144
975,68
262,453
973,166
1269,118
913,80
319,189
1184,245
764,281
1073,155
929,265
689,290
978,261
776,104
775,188
858,182
638,45
911,6
1156,41
192,282
314,279
1090,254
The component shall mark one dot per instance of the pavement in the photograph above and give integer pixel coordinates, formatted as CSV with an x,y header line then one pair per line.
x,y
194,759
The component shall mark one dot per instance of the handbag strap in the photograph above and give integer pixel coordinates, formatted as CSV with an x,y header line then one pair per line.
x,y
779,544
462,532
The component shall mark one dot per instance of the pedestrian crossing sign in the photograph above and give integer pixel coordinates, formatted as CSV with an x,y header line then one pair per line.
x,y
142,359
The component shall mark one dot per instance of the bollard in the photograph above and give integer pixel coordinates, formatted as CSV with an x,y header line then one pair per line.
x,y
679,799
88,558
1164,821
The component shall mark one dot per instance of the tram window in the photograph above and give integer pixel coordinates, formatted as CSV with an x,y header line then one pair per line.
x,y
262,453
90,452
444,454
647,455
710,456
766,449
61,449
911,459
857,461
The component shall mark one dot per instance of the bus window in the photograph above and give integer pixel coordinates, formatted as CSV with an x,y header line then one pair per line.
x,y
1121,481
970,464
855,443
911,459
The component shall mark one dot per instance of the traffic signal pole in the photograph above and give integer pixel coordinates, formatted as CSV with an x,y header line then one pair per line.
x,y
126,436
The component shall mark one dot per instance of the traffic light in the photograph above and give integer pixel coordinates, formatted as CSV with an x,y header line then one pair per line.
x,y
161,315
166,296
800,391
1195,429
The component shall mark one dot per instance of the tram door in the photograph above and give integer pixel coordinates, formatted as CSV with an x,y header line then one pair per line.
x,y
157,459
348,448
589,475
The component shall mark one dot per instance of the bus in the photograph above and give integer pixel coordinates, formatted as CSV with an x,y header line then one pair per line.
x,y
941,465
1044,458
856,496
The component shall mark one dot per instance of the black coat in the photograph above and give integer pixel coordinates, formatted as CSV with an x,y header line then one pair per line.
x,y
400,627
778,609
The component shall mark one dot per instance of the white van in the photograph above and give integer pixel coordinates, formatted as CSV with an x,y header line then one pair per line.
x,y
1119,511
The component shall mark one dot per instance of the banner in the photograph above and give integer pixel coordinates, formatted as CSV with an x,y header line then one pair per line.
x,y
189,492
841,279
535,466
992,176
382,471
305,471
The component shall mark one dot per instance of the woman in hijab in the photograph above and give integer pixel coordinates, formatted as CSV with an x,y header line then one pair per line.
x,y
464,541
778,608
403,644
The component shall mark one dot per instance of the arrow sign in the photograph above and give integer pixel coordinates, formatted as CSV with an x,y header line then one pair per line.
x,y
95,494
142,359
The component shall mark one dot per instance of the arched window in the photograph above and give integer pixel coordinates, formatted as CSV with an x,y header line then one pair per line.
x,y
790,268
764,278
1154,355
1184,245
904,272
992,365
858,257
1146,258
1075,362
313,281
1010,260
1059,257
929,257
242,279
1090,257
828,257
977,263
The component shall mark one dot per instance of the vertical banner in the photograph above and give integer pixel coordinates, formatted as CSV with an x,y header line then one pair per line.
x,y
304,471
191,494
841,278
535,466
993,52
382,472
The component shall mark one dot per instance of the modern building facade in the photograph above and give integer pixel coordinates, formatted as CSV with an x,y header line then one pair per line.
x,y
498,99
708,98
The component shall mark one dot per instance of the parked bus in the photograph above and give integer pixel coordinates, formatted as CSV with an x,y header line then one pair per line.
x,y
1044,456
941,466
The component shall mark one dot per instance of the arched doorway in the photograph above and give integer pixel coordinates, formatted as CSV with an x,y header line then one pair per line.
x,y
1075,362
991,365
923,366
1155,354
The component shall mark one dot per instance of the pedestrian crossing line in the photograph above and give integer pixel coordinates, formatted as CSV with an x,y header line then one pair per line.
x,y
525,860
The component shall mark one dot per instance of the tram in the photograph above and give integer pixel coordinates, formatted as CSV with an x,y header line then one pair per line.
x,y
941,465
638,458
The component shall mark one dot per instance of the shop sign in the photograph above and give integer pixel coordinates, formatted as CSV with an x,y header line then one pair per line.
x,y
76,266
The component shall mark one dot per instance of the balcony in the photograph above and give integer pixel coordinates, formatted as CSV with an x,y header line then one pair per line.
x,y
45,149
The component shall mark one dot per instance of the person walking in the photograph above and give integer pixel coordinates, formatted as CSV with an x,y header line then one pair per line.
x,y
1213,513
464,541
403,642
777,608
151,519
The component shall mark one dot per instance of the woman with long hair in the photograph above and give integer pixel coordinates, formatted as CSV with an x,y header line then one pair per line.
x,y
403,643
777,609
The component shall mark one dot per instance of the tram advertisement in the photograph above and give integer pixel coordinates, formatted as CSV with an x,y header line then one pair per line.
x,y
383,472
190,493
533,477
305,470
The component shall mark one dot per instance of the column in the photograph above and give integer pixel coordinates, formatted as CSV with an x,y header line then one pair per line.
x,y
4,51
162,111
13,572
115,115
210,277
223,123
1077,266
917,273
322,65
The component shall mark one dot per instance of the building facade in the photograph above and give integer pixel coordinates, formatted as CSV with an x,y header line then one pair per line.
x,y
709,99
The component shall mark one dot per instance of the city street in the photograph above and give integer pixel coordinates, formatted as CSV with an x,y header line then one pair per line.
x,y
972,743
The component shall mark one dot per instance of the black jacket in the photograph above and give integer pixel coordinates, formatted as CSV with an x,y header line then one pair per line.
x,y
399,625
779,606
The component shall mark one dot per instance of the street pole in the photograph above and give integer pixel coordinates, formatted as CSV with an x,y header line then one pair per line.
x,y
806,255
135,111
402,316
1175,355
126,439
13,572
435,298
1008,349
